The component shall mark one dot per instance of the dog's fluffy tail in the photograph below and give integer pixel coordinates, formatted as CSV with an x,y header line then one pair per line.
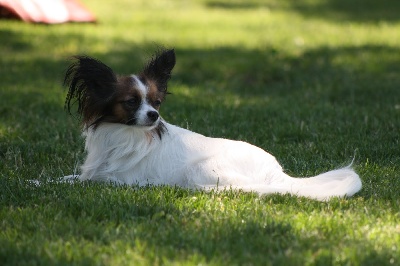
x,y
337,183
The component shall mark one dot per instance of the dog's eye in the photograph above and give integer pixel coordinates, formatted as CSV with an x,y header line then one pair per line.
x,y
132,102
157,103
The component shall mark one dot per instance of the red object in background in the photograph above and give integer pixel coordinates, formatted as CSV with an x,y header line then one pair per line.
x,y
46,11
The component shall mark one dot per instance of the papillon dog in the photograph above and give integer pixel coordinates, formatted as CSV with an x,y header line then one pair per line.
x,y
128,142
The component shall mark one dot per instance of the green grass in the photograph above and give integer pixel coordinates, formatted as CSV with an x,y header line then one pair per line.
x,y
313,82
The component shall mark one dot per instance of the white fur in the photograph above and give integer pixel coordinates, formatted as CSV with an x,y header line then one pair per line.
x,y
145,107
140,86
142,117
133,155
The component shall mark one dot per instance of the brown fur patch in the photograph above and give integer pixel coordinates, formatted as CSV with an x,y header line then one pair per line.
x,y
126,102
126,88
154,96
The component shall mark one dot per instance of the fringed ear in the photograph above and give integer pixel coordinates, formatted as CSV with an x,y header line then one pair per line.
x,y
159,68
90,83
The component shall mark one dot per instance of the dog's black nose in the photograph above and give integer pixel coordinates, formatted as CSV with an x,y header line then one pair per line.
x,y
152,115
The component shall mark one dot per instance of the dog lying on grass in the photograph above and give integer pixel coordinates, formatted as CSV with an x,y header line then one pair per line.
x,y
128,142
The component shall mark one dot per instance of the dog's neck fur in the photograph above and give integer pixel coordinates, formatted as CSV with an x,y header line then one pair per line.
x,y
115,142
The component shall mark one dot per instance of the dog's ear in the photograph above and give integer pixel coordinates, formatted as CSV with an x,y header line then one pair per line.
x,y
159,68
90,83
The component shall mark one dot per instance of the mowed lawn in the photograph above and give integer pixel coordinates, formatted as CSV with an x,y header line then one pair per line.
x,y
314,82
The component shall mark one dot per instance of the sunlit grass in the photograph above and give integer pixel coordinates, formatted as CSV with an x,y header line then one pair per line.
x,y
313,82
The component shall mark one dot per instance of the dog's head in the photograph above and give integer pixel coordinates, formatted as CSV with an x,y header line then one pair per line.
x,y
133,100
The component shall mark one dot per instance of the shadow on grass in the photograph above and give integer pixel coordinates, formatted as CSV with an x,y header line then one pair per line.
x,y
162,224
261,88
142,216
13,42
362,11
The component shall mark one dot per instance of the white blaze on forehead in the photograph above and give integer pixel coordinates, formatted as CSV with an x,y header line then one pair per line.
x,y
141,87
142,112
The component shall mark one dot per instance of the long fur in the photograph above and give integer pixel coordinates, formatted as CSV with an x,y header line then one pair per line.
x,y
159,68
92,84
139,154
